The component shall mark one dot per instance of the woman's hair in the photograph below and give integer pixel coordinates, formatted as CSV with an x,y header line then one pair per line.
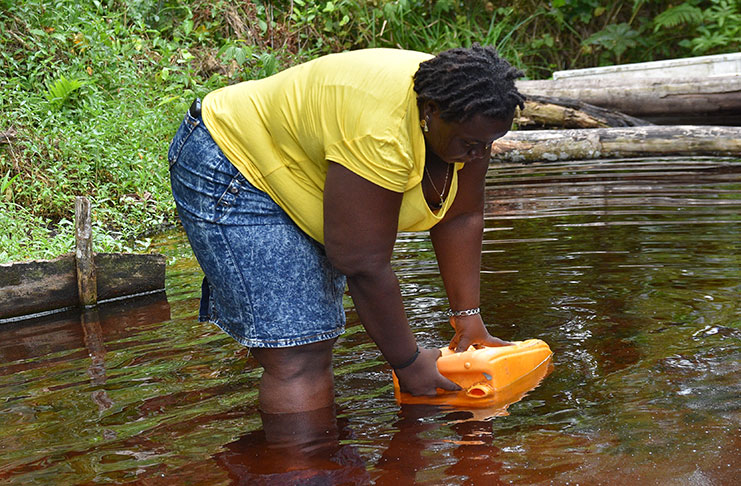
x,y
464,82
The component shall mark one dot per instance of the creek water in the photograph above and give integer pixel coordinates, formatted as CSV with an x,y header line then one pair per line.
x,y
629,269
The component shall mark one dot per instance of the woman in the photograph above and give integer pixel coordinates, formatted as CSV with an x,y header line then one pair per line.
x,y
290,186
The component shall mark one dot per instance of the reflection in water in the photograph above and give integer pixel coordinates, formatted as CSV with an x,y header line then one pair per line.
x,y
630,270
404,457
412,450
300,448
477,458
90,321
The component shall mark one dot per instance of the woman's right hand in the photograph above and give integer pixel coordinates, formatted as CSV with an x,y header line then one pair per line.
x,y
422,377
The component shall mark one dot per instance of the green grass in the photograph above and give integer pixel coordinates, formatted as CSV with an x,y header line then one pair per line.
x,y
93,96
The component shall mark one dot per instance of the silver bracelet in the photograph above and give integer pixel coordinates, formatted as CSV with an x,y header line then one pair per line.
x,y
461,313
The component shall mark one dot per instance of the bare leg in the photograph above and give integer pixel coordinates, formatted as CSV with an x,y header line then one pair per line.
x,y
296,379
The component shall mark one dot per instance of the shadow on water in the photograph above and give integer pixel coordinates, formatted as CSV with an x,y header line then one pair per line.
x,y
629,269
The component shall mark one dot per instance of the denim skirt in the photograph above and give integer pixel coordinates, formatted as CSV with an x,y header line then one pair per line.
x,y
267,283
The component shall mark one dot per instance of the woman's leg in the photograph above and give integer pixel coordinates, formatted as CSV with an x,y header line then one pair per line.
x,y
271,287
296,379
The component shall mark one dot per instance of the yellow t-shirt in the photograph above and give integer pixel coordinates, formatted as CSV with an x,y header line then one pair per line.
x,y
357,109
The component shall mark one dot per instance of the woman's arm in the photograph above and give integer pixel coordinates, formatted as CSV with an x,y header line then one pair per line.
x,y
360,225
457,242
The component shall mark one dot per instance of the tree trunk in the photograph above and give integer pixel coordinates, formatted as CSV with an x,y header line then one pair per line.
x,y
597,143
714,100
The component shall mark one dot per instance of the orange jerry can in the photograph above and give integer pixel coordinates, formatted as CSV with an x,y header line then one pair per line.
x,y
489,376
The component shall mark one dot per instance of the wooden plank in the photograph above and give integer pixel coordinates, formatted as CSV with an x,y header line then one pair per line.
x,y
47,285
121,274
601,143
37,286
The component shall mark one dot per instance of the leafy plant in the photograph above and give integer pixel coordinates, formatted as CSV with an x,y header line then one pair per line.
x,y
614,39
238,51
721,28
682,14
6,184
61,90
714,28
269,64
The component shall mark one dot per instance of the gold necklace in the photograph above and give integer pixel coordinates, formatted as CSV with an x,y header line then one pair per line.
x,y
445,184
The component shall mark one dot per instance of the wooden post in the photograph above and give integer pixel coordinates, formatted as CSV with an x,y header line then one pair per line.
x,y
84,258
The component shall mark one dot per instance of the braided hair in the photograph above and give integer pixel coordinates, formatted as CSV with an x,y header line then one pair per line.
x,y
464,82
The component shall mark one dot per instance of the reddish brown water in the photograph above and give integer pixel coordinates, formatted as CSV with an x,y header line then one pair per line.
x,y
630,270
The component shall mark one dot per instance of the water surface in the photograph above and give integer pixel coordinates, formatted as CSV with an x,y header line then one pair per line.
x,y
629,269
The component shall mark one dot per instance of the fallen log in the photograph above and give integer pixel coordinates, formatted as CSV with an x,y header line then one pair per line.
x,y
48,285
597,143
549,112
714,100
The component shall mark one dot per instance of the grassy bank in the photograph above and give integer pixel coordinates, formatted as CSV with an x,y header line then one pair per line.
x,y
91,92
91,95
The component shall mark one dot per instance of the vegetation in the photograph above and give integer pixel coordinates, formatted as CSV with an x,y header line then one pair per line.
x,y
91,92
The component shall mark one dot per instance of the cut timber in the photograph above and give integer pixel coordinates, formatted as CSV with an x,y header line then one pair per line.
x,y
596,143
549,112
41,286
711,100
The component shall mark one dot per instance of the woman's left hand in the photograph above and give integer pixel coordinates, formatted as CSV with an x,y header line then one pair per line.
x,y
470,330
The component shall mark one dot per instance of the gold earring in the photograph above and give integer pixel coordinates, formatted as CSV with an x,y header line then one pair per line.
x,y
423,124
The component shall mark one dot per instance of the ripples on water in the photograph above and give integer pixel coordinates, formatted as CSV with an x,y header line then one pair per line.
x,y
630,270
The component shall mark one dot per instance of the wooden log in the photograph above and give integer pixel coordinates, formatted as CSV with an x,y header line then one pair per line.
x,y
549,112
553,145
84,257
129,274
47,285
715,100
37,286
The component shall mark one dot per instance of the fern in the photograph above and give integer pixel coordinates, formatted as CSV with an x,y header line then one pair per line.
x,y
719,31
616,38
707,41
684,13
58,92
727,15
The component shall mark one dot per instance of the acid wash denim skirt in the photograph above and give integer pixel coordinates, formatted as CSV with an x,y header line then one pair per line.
x,y
267,283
